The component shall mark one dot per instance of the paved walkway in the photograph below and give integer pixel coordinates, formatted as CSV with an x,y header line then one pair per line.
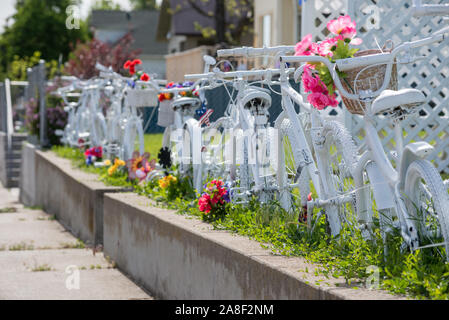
x,y
39,259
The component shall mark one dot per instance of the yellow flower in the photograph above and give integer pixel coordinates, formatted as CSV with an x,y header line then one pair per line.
x,y
107,163
163,183
112,169
171,178
120,163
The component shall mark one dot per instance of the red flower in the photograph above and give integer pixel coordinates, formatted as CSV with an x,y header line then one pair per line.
x,y
137,61
95,151
161,97
127,64
204,203
145,77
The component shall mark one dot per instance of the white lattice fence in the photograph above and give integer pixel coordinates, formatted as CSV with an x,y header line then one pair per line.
x,y
382,20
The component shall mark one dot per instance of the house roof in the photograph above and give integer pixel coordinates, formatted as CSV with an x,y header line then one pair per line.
x,y
180,17
142,24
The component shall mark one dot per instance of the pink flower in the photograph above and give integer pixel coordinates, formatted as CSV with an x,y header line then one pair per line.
x,y
325,46
309,81
337,26
302,48
318,100
348,32
333,102
204,203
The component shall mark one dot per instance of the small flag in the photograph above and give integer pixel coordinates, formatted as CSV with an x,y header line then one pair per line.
x,y
205,118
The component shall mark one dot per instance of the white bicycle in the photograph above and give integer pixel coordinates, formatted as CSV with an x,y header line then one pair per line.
x,y
412,197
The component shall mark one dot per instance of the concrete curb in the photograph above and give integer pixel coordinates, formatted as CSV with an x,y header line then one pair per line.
x,y
176,257
73,196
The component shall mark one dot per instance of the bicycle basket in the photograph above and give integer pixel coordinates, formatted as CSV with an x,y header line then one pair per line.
x,y
370,79
142,98
166,116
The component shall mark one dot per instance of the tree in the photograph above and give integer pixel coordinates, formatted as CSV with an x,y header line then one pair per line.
x,y
40,25
106,5
232,19
144,4
86,55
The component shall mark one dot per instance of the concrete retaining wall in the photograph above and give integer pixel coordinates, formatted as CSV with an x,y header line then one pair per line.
x,y
180,258
173,256
27,182
74,196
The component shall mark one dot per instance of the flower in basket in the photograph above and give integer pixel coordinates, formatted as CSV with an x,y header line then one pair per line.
x,y
316,78
114,167
93,154
131,65
212,202
144,77
139,166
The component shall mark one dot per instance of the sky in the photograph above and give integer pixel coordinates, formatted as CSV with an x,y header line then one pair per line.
x,y
7,9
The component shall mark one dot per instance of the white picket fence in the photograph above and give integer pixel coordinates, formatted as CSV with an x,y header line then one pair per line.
x,y
383,20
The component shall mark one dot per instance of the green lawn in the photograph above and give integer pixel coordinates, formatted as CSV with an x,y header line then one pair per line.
x,y
153,143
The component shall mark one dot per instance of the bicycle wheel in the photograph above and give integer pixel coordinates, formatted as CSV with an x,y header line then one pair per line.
x,y
133,139
98,129
294,185
217,149
191,161
83,128
240,170
266,165
337,156
427,203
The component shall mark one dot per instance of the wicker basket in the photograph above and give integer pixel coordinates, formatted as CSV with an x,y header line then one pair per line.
x,y
370,79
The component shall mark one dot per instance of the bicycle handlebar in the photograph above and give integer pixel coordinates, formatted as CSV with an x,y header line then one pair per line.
x,y
69,78
254,52
365,61
419,9
267,73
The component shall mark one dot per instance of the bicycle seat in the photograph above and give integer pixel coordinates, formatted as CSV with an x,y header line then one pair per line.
x,y
261,97
185,101
71,105
390,100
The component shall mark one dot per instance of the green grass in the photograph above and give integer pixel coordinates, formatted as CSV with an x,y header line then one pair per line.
x,y
153,143
21,246
69,245
8,210
42,268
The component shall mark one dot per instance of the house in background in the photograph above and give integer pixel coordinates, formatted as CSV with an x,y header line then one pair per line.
x,y
178,28
276,22
179,20
111,25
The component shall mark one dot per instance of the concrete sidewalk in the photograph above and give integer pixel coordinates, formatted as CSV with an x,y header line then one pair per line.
x,y
39,259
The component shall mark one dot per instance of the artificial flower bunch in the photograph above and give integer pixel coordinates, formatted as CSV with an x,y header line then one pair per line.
x,y
170,85
93,154
316,78
139,166
212,202
131,67
114,167
166,181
